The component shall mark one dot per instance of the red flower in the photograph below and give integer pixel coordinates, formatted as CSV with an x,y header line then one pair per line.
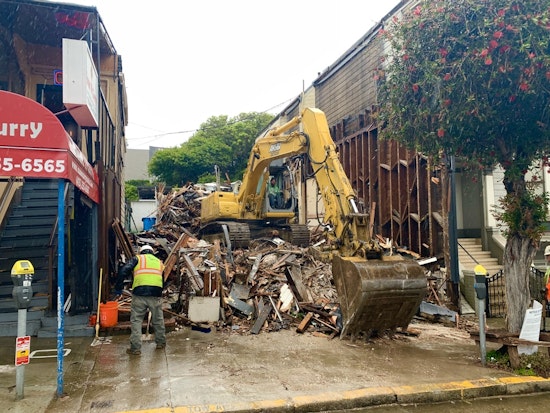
x,y
488,61
523,86
484,52
440,132
498,34
417,11
493,44
447,76
443,52
512,98
501,12
415,88
447,102
505,48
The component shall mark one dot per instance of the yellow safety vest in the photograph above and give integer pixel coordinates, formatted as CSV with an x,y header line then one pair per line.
x,y
148,271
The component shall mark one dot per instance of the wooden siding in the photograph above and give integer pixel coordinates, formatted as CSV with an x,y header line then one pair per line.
x,y
352,88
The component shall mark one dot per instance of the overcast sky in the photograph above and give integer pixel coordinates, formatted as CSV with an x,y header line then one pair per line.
x,y
187,60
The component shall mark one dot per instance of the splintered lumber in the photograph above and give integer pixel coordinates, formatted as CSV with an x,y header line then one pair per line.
x,y
263,313
123,238
318,320
305,323
194,276
275,308
173,257
255,267
294,277
283,260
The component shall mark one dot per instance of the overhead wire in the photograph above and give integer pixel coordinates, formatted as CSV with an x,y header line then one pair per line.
x,y
204,128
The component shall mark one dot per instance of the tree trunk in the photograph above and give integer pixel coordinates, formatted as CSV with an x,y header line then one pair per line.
x,y
518,256
451,290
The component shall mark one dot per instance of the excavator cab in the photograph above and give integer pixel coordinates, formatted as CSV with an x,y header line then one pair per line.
x,y
281,191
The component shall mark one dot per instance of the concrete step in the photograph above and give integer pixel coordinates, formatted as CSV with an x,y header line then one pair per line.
x,y
68,320
9,328
81,330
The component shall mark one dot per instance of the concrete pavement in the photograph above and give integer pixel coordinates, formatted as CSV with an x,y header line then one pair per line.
x,y
228,372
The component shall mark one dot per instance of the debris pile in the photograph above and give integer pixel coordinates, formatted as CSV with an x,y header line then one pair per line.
x,y
270,285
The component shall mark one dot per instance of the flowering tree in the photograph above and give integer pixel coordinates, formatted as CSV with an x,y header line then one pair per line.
x,y
471,78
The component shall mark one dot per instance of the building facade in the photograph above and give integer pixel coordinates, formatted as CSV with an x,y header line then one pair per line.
x,y
37,64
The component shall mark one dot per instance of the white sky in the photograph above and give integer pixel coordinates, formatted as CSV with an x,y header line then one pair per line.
x,y
187,60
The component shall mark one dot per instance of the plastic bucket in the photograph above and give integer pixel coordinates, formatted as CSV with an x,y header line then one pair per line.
x,y
108,314
148,223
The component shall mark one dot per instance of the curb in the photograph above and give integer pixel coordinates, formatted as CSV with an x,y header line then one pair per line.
x,y
376,396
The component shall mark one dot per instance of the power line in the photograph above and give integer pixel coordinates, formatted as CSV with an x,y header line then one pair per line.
x,y
152,137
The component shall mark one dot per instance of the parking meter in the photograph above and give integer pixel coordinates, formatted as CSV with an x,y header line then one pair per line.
x,y
480,284
21,276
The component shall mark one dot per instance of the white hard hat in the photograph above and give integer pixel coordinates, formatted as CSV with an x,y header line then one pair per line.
x,y
547,250
146,249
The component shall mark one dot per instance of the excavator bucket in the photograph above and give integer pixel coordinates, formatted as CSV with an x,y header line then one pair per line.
x,y
377,295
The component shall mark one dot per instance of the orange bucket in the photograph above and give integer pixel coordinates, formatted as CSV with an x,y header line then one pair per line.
x,y
108,314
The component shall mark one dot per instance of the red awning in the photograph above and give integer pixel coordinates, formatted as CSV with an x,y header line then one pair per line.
x,y
33,143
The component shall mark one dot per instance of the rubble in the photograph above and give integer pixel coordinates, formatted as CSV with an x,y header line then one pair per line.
x,y
270,285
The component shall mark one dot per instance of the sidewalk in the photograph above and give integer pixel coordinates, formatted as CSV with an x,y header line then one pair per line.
x,y
277,371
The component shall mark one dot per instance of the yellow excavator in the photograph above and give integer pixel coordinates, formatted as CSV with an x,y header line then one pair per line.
x,y
378,292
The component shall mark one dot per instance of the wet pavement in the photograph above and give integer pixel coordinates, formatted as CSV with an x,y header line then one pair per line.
x,y
277,371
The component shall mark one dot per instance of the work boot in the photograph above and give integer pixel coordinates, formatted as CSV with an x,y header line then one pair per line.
x,y
160,346
133,352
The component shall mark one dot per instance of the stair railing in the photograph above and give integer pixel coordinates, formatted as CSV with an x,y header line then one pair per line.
x,y
469,255
6,196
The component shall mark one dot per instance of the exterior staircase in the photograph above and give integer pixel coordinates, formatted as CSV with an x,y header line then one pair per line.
x,y
27,235
470,254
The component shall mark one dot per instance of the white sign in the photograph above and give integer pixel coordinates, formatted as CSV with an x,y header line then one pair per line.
x,y
80,83
530,330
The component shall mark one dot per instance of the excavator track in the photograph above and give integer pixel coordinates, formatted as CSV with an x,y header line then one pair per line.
x,y
299,235
292,233
239,233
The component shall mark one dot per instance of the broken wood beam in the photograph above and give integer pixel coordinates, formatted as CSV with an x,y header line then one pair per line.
x,y
194,277
263,314
305,323
254,269
172,258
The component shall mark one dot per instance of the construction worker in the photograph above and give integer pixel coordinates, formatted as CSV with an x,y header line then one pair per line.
x,y
274,194
147,287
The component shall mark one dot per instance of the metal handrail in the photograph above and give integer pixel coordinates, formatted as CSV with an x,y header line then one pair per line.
x,y
466,251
